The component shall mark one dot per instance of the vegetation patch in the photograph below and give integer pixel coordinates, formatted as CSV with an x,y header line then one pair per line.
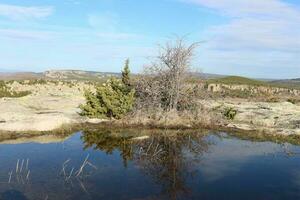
x,y
112,99
5,91
230,113
238,80
293,100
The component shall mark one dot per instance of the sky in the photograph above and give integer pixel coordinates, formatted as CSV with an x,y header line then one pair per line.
x,y
254,38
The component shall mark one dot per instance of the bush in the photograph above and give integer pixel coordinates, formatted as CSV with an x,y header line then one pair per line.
x,y
293,100
5,91
230,113
164,83
273,100
111,100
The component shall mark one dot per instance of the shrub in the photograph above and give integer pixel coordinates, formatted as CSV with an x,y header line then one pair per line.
x,y
126,74
273,100
230,113
293,100
112,99
6,91
164,83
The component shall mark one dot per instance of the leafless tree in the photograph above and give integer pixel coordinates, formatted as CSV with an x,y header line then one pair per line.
x,y
164,81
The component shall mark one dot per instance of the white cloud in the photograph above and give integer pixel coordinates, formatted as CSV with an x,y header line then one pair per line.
x,y
254,8
23,13
258,33
107,26
224,160
106,22
26,34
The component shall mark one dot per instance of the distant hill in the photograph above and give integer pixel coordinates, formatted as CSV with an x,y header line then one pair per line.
x,y
238,80
78,75
208,76
58,75
294,83
20,76
4,70
82,75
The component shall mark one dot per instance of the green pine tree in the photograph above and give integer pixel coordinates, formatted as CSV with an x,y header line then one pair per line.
x,y
111,100
126,74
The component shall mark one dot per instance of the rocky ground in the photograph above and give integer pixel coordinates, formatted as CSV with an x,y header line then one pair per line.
x,y
278,118
52,105
48,107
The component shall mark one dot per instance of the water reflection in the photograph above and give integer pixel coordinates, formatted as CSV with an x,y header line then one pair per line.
x,y
13,194
149,164
168,158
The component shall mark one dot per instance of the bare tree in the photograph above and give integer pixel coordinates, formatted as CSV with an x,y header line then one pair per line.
x,y
164,81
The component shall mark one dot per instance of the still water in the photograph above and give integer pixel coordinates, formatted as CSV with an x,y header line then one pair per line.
x,y
126,164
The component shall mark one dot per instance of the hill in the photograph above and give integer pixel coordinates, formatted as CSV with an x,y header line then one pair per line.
x,y
293,83
78,75
238,80
81,75
6,76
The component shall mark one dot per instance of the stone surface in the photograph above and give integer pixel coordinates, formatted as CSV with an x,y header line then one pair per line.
x,y
281,118
41,139
52,105
47,108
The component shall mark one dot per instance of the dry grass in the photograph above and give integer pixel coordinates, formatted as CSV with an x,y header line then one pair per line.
x,y
199,117
63,131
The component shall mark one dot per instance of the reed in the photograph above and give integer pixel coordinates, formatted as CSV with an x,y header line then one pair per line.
x,y
10,174
27,176
27,163
70,174
64,165
21,168
17,166
93,166
83,165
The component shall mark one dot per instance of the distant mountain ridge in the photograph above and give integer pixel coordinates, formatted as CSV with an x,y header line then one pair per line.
x,y
58,75
78,75
295,81
20,75
98,76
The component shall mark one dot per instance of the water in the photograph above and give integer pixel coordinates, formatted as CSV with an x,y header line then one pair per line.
x,y
160,165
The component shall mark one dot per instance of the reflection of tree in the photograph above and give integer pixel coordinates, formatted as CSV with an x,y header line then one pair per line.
x,y
168,158
105,141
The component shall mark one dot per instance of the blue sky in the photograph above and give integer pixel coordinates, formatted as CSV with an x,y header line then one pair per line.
x,y
256,38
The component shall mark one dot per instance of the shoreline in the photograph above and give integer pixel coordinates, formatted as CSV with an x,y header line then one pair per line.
x,y
67,130
54,108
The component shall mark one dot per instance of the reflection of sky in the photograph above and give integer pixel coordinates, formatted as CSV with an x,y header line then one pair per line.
x,y
240,169
45,163
228,155
230,168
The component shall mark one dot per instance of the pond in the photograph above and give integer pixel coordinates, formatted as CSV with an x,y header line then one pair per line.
x,y
137,164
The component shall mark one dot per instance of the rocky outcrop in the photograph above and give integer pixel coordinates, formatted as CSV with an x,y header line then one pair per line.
x,y
278,118
54,104
215,87
48,107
